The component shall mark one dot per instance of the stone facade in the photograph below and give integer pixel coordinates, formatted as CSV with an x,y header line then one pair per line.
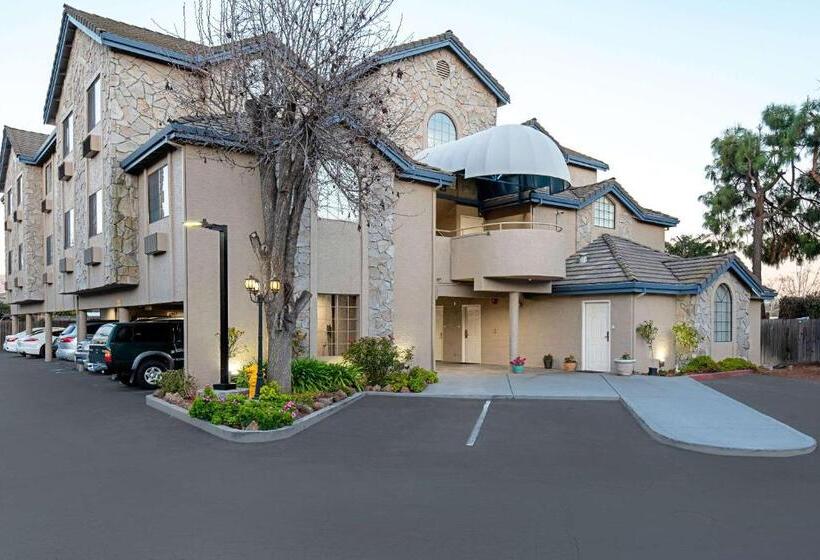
x,y
419,91
381,254
26,233
586,229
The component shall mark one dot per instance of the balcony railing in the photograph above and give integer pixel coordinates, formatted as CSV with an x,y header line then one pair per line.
x,y
496,226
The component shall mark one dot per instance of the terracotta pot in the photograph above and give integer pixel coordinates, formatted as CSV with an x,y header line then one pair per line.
x,y
570,366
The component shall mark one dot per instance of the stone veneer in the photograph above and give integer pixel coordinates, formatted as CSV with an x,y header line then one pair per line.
x,y
624,223
27,232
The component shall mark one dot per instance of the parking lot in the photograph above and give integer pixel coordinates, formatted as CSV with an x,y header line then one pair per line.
x,y
87,471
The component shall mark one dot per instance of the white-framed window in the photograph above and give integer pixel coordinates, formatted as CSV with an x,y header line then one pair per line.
x,y
18,190
158,202
331,183
604,212
440,130
93,104
47,178
95,214
723,314
68,229
68,134
49,250
338,323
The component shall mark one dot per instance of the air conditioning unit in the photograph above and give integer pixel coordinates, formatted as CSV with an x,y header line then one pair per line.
x,y
156,243
9,222
65,170
18,215
18,282
93,255
47,204
48,276
92,145
66,265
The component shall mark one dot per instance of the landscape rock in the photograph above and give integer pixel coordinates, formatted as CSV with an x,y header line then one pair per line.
x,y
376,388
304,409
405,390
318,405
387,389
252,427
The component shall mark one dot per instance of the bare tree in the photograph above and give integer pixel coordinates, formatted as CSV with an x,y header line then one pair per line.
x,y
805,281
294,85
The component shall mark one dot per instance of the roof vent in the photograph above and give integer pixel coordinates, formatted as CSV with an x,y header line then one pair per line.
x,y
443,69
582,258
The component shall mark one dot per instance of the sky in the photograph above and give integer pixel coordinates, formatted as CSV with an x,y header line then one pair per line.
x,y
644,86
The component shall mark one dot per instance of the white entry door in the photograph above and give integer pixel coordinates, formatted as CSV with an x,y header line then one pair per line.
x,y
596,325
438,349
471,334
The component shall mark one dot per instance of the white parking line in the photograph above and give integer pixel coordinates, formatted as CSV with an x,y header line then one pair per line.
x,y
478,424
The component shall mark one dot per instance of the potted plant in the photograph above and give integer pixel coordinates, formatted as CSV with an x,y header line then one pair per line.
x,y
649,332
570,363
517,364
548,361
625,365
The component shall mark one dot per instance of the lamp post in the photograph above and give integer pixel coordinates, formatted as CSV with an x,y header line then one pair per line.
x,y
259,296
224,376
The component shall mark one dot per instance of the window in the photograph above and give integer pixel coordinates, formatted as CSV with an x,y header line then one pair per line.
x,y
49,251
68,134
440,130
338,323
68,229
9,258
93,104
604,213
9,201
332,182
95,214
18,190
48,178
158,194
20,256
723,314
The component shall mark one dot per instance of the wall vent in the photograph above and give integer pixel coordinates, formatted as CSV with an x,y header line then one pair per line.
x,y
443,69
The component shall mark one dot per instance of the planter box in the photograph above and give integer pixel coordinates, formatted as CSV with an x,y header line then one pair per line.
x,y
624,367
569,366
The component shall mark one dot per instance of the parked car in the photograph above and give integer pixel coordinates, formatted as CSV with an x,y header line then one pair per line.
x,y
138,352
11,341
35,343
94,364
67,341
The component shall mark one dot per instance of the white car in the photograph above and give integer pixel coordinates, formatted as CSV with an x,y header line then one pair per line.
x,y
35,343
11,341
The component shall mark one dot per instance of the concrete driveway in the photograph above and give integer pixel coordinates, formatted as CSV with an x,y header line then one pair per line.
x,y
88,472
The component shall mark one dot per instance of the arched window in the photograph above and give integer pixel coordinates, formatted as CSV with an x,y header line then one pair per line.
x,y
440,130
723,314
604,213
333,180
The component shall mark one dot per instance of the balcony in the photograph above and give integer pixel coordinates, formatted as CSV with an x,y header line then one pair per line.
x,y
523,251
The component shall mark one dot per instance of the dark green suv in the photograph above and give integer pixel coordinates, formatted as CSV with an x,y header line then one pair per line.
x,y
138,352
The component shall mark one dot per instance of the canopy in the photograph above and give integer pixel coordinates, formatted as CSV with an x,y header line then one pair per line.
x,y
509,149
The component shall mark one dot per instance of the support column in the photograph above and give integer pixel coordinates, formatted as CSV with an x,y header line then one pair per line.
x,y
515,298
123,314
28,323
15,324
47,333
81,329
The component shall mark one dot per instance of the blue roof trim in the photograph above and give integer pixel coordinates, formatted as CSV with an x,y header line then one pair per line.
x,y
627,288
468,60
589,163
137,160
552,200
751,282
43,152
147,50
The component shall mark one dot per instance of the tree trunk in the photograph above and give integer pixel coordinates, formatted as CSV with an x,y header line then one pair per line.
x,y
757,237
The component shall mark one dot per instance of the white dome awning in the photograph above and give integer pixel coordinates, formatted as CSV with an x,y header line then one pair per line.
x,y
509,149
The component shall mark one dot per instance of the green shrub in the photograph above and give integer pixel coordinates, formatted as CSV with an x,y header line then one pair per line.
x,y
415,380
177,381
272,410
699,364
731,364
377,358
314,375
687,339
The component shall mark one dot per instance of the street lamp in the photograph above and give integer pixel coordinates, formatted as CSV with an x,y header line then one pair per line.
x,y
224,376
259,296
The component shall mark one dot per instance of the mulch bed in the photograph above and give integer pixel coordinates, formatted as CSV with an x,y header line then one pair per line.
x,y
810,371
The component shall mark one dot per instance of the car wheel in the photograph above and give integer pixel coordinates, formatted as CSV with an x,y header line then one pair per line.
x,y
43,352
149,372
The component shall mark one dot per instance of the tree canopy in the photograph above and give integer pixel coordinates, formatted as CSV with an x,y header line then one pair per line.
x,y
692,246
766,183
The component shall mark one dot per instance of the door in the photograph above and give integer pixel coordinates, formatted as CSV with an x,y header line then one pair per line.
x,y
471,334
596,325
438,349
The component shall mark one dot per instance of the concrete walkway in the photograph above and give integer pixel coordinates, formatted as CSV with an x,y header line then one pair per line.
x,y
677,411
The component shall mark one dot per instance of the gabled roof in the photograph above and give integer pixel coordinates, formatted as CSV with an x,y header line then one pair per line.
x,y
612,264
573,157
26,145
446,40
580,197
210,132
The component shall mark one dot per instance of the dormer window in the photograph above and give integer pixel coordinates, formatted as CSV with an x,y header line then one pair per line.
x,y
440,130
68,134
93,104
604,213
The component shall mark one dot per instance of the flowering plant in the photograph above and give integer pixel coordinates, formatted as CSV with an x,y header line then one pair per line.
x,y
290,408
518,361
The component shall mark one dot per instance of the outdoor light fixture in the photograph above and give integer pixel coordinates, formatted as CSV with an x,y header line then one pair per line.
x,y
224,374
259,297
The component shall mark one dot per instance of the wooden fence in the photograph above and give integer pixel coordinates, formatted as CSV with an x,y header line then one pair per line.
x,y
790,341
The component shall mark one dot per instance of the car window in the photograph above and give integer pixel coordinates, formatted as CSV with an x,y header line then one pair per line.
x,y
92,328
151,333
124,334
101,336
70,329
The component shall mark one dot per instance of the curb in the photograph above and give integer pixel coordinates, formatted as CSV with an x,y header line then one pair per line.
x,y
249,436
721,374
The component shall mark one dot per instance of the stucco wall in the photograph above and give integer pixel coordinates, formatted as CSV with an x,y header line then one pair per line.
x,y
579,176
660,309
